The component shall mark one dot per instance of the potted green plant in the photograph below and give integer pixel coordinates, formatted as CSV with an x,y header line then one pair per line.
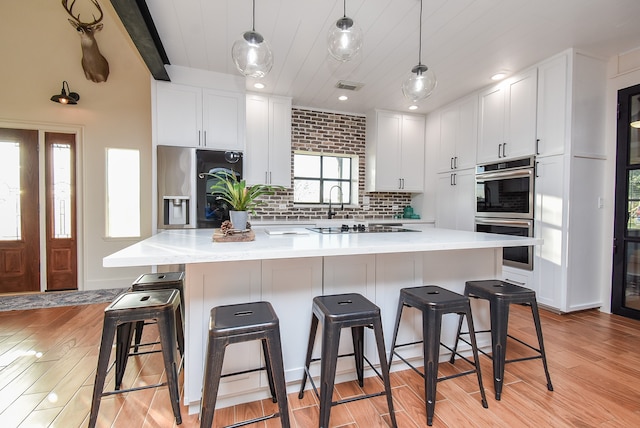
x,y
241,198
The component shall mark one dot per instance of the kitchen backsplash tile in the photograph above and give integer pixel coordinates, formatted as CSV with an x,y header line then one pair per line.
x,y
335,133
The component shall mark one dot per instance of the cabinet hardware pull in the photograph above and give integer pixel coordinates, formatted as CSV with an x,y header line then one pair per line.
x,y
538,146
205,138
451,163
536,169
451,180
270,177
266,177
199,132
499,148
504,150
515,282
455,162
455,179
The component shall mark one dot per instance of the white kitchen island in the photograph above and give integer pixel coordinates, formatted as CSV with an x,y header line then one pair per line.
x,y
289,270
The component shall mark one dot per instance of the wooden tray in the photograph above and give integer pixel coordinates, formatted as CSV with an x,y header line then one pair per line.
x,y
244,236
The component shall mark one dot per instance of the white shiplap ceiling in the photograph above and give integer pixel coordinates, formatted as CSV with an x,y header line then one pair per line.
x,y
464,42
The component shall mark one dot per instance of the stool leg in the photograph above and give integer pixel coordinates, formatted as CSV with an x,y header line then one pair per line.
x,y
499,322
536,320
384,367
124,333
212,373
476,360
329,358
357,334
267,364
274,355
431,325
168,338
455,344
307,361
138,337
108,332
395,329
179,316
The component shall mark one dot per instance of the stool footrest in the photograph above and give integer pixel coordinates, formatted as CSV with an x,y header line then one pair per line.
x,y
137,388
533,348
253,421
468,372
243,372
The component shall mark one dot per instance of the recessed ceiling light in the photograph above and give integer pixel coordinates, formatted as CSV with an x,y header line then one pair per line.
x,y
343,98
499,75
258,85
413,107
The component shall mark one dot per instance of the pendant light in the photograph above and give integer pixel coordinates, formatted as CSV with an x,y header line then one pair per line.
x,y
422,80
345,38
252,54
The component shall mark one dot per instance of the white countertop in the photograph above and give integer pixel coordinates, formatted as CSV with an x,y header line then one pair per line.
x,y
186,246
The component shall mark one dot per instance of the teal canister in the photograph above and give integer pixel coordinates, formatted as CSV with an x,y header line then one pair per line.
x,y
408,212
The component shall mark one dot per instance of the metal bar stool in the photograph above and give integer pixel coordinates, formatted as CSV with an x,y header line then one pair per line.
x,y
336,312
119,317
434,302
500,295
159,281
242,323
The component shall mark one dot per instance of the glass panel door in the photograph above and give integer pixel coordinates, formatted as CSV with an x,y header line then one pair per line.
x,y
625,298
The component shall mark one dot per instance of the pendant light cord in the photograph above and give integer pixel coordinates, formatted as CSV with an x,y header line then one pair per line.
x,y
420,40
344,8
253,26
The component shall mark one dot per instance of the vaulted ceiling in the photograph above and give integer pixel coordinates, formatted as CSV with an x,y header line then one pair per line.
x,y
464,41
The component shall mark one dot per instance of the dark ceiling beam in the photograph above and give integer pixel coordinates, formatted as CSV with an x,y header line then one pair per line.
x,y
136,18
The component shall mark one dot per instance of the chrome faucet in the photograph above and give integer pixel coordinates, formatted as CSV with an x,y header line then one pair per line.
x,y
331,213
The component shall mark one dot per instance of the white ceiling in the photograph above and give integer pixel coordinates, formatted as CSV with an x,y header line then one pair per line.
x,y
464,42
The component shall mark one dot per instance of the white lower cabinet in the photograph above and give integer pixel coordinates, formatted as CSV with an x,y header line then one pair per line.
x,y
290,286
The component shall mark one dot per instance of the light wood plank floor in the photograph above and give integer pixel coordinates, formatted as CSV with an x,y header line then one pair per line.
x,y
48,359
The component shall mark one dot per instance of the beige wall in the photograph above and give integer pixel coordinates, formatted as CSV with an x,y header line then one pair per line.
x,y
39,50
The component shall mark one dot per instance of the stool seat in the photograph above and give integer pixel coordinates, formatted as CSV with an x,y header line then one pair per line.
x,y
163,306
336,312
242,323
434,302
159,281
500,295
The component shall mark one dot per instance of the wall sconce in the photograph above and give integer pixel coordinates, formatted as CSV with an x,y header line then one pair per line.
x,y
63,98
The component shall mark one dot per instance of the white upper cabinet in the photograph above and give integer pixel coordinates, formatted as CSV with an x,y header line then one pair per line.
x,y
552,106
507,122
395,152
458,135
199,117
267,159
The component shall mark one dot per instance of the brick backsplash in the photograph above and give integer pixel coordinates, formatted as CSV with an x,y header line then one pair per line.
x,y
338,133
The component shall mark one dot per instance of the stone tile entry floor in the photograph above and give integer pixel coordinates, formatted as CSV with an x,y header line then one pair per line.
x,y
57,298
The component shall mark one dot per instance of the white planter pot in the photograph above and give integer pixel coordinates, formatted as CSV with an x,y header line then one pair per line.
x,y
239,219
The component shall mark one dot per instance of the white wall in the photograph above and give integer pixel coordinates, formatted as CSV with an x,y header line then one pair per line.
x,y
623,72
40,49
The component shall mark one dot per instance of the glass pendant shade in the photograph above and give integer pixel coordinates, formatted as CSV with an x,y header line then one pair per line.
x,y
344,39
420,83
252,55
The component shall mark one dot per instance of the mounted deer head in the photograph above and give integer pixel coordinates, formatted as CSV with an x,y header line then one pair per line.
x,y
95,66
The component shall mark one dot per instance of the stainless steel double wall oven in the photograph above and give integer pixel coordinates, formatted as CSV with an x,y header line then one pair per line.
x,y
505,205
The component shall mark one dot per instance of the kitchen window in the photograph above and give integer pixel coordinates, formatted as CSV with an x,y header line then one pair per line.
x,y
316,174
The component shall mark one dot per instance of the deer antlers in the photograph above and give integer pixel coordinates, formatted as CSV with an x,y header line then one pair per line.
x,y
69,9
95,66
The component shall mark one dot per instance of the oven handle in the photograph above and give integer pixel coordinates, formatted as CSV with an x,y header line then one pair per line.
x,y
505,174
502,222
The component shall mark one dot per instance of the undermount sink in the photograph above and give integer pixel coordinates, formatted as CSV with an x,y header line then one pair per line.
x,y
361,228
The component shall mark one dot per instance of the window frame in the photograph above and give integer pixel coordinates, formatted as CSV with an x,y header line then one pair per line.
x,y
352,181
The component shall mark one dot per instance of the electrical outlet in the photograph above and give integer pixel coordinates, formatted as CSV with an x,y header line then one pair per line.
x,y
282,206
365,208
395,207
366,200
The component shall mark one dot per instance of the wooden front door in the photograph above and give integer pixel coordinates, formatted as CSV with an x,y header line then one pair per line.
x,y
19,227
62,260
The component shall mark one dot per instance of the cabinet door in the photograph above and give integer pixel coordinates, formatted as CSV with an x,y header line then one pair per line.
x,y
465,199
445,200
280,142
388,134
178,118
256,157
223,120
549,261
521,108
467,135
449,122
552,107
290,285
491,124
412,154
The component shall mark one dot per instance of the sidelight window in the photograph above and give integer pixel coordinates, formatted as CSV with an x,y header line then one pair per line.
x,y
10,226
